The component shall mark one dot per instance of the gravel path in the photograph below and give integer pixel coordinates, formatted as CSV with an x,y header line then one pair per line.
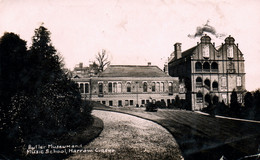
x,y
129,137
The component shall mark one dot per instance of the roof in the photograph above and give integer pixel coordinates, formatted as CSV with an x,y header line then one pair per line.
x,y
218,47
133,71
186,53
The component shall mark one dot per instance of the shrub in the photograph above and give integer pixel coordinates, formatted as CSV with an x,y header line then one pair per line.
x,y
151,107
160,104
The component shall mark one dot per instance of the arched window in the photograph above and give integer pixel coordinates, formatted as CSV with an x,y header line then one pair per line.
x,y
207,83
215,85
162,87
198,67
198,81
144,87
199,97
110,87
119,87
214,67
100,88
114,87
158,87
170,87
128,87
206,66
153,87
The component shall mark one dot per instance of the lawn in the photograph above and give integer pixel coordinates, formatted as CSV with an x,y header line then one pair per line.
x,y
201,136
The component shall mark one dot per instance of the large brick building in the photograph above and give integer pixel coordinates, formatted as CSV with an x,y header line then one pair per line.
x,y
129,85
206,69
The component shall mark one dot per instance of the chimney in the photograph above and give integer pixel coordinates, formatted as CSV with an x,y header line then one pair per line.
x,y
80,65
166,68
149,63
177,50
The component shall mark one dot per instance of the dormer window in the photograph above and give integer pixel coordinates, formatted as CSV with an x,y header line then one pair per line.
x,y
230,53
205,51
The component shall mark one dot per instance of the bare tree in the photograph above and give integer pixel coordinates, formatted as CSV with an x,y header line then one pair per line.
x,y
102,59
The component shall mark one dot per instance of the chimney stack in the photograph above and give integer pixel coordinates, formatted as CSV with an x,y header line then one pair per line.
x,y
149,64
177,50
166,68
80,65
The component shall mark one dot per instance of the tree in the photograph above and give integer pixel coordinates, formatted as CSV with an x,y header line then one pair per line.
x,y
13,68
13,54
177,102
102,59
215,100
210,106
208,99
257,104
234,105
46,64
37,98
248,100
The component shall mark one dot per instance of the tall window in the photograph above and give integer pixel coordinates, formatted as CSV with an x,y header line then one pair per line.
x,y
223,81
110,87
153,87
114,87
230,53
198,67
145,87
158,87
100,87
86,88
198,82
119,87
81,88
162,87
170,87
128,87
239,81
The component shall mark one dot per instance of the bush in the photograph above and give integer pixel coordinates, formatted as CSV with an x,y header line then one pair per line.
x,y
39,103
151,107
160,104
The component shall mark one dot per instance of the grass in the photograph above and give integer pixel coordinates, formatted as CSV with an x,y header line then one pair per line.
x,y
203,136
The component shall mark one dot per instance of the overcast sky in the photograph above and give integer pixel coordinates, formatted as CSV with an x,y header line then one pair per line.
x,y
135,31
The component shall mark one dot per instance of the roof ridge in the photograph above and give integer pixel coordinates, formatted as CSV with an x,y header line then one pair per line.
x,y
133,66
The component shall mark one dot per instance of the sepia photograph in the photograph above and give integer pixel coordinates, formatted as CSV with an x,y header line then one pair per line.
x,y
129,79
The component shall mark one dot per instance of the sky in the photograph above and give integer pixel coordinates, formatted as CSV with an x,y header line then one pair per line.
x,y
135,32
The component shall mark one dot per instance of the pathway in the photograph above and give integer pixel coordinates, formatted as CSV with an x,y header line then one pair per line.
x,y
128,137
